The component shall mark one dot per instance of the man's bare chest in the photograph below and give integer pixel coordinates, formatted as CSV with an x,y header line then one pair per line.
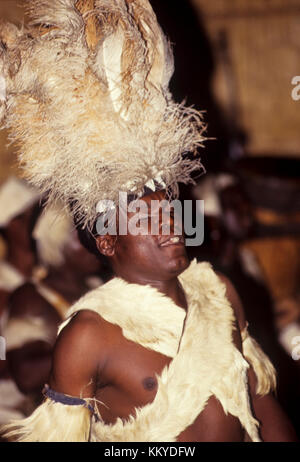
x,y
129,380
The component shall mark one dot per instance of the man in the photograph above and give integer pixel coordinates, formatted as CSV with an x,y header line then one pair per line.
x,y
148,356
121,375
101,358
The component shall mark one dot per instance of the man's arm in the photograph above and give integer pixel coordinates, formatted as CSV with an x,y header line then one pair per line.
x,y
274,423
79,355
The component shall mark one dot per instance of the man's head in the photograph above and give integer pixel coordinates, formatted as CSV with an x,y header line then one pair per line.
x,y
152,246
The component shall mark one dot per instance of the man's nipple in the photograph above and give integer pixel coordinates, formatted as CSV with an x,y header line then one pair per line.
x,y
149,383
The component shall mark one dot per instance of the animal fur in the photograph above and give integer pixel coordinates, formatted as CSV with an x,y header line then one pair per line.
x,y
206,364
51,233
19,331
52,422
87,102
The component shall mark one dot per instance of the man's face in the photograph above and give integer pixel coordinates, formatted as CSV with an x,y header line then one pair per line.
x,y
159,256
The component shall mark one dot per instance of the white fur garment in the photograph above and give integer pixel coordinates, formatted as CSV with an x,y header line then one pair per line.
x,y
207,364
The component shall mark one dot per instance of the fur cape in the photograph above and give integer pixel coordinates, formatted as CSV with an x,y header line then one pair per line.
x,y
205,363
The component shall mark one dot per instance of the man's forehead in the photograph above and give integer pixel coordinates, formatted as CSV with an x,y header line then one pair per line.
x,y
156,195
150,205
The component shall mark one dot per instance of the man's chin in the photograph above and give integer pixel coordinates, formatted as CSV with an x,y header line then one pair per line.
x,y
178,264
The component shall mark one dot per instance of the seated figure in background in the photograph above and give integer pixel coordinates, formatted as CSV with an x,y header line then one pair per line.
x,y
66,271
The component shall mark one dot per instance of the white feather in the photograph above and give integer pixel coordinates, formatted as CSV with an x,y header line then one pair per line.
x,y
87,124
109,58
2,88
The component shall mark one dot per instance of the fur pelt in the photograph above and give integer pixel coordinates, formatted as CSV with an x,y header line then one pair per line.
x,y
51,233
206,363
263,368
10,277
85,97
19,331
52,422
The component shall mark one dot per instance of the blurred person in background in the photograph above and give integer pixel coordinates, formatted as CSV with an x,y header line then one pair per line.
x,y
229,226
41,273
66,271
18,203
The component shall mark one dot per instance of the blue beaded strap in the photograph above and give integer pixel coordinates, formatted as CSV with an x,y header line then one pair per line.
x,y
68,400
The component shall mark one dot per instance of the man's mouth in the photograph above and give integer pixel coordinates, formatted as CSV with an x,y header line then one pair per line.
x,y
172,240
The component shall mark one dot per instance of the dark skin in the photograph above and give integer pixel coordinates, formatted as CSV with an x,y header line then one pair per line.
x,y
92,358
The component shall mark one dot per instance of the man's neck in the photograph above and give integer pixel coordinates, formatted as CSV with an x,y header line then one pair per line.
x,y
171,287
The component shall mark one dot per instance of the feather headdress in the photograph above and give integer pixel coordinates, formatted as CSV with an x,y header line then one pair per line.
x,y
84,93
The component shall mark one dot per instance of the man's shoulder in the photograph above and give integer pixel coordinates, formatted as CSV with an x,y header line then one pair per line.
x,y
89,330
197,271
210,279
83,324
200,276
215,284
80,350
235,300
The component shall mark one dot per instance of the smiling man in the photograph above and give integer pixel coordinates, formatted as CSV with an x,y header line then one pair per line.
x,y
161,351
152,240
128,345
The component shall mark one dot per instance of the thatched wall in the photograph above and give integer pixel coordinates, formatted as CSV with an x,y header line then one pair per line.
x,y
263,39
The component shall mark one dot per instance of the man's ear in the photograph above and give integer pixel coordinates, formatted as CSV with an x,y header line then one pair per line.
x,y
106,244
